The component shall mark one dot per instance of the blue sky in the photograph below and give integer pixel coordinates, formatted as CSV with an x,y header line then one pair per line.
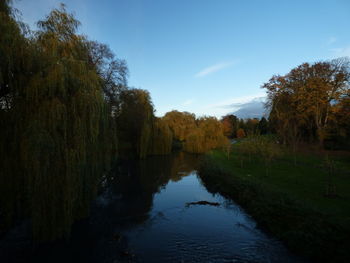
x,y
206,56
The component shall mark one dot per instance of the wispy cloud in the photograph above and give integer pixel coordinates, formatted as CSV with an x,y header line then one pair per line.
x,y
222,108
251,109
235,103
341,52
245,106
331,40
188,102
214,68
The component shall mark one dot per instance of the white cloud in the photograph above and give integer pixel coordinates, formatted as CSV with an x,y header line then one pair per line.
x,y
224,107
234,103
188,102
214,68
331,40
218,109
341,52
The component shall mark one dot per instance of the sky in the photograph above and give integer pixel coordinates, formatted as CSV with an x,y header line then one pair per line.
x,y
209,57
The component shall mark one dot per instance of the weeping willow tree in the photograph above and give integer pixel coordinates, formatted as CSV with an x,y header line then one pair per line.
x,y
180,123
208,134
60,148
140,133
196,135
134,123
161,138
57,131
213,132
194,141
15,51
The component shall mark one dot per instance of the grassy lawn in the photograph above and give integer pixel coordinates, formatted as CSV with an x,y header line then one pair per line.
x,y
289,200
307,181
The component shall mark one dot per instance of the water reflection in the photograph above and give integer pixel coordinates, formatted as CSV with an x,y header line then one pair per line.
x,y
160,227
141,216
135,183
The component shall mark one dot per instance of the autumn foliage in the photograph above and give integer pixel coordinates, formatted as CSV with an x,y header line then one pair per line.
x,y
240,133
304,103
140,133
197,135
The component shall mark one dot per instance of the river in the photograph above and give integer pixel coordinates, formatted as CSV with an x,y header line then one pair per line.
x,y
143,215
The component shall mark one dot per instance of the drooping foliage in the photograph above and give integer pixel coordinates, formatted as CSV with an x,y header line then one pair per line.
x,y
135,123
140,133
57,133
213,133
195,135
180,123
194,141
14,48
161,138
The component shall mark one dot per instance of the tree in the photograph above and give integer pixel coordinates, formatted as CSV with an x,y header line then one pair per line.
x,y
194,141
230,125
311,91
213,133
54,113
180,123
135,122
251,126
161,138
240,133
197,135
263,126
338,130
113,73
15,53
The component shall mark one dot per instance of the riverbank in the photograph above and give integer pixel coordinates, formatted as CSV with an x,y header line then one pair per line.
x,y
289,201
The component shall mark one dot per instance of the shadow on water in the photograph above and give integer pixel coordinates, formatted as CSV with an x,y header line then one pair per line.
x,y
141,216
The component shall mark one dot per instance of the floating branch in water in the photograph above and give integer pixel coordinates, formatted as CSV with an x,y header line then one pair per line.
x,y
202,203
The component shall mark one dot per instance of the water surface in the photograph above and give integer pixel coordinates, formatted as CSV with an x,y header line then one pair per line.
x,y
142,216
159,227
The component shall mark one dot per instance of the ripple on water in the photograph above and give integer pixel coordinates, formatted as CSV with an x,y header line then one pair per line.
x,y
200,233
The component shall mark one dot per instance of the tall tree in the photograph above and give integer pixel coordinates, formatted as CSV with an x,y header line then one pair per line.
x,y
230,125
15,51
180,123
263,126
135,122
113,72
54,114
311,91
161,138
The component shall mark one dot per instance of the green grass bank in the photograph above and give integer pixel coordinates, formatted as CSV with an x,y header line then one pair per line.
x,y
288,198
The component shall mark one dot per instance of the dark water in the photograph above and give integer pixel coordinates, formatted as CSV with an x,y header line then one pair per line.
x,y
142,216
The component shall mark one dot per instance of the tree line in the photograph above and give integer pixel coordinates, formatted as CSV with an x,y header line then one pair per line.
x,y
195,135
310,104
66,115
234,127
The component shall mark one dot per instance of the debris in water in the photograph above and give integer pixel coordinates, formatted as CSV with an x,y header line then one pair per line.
x,y
202,203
